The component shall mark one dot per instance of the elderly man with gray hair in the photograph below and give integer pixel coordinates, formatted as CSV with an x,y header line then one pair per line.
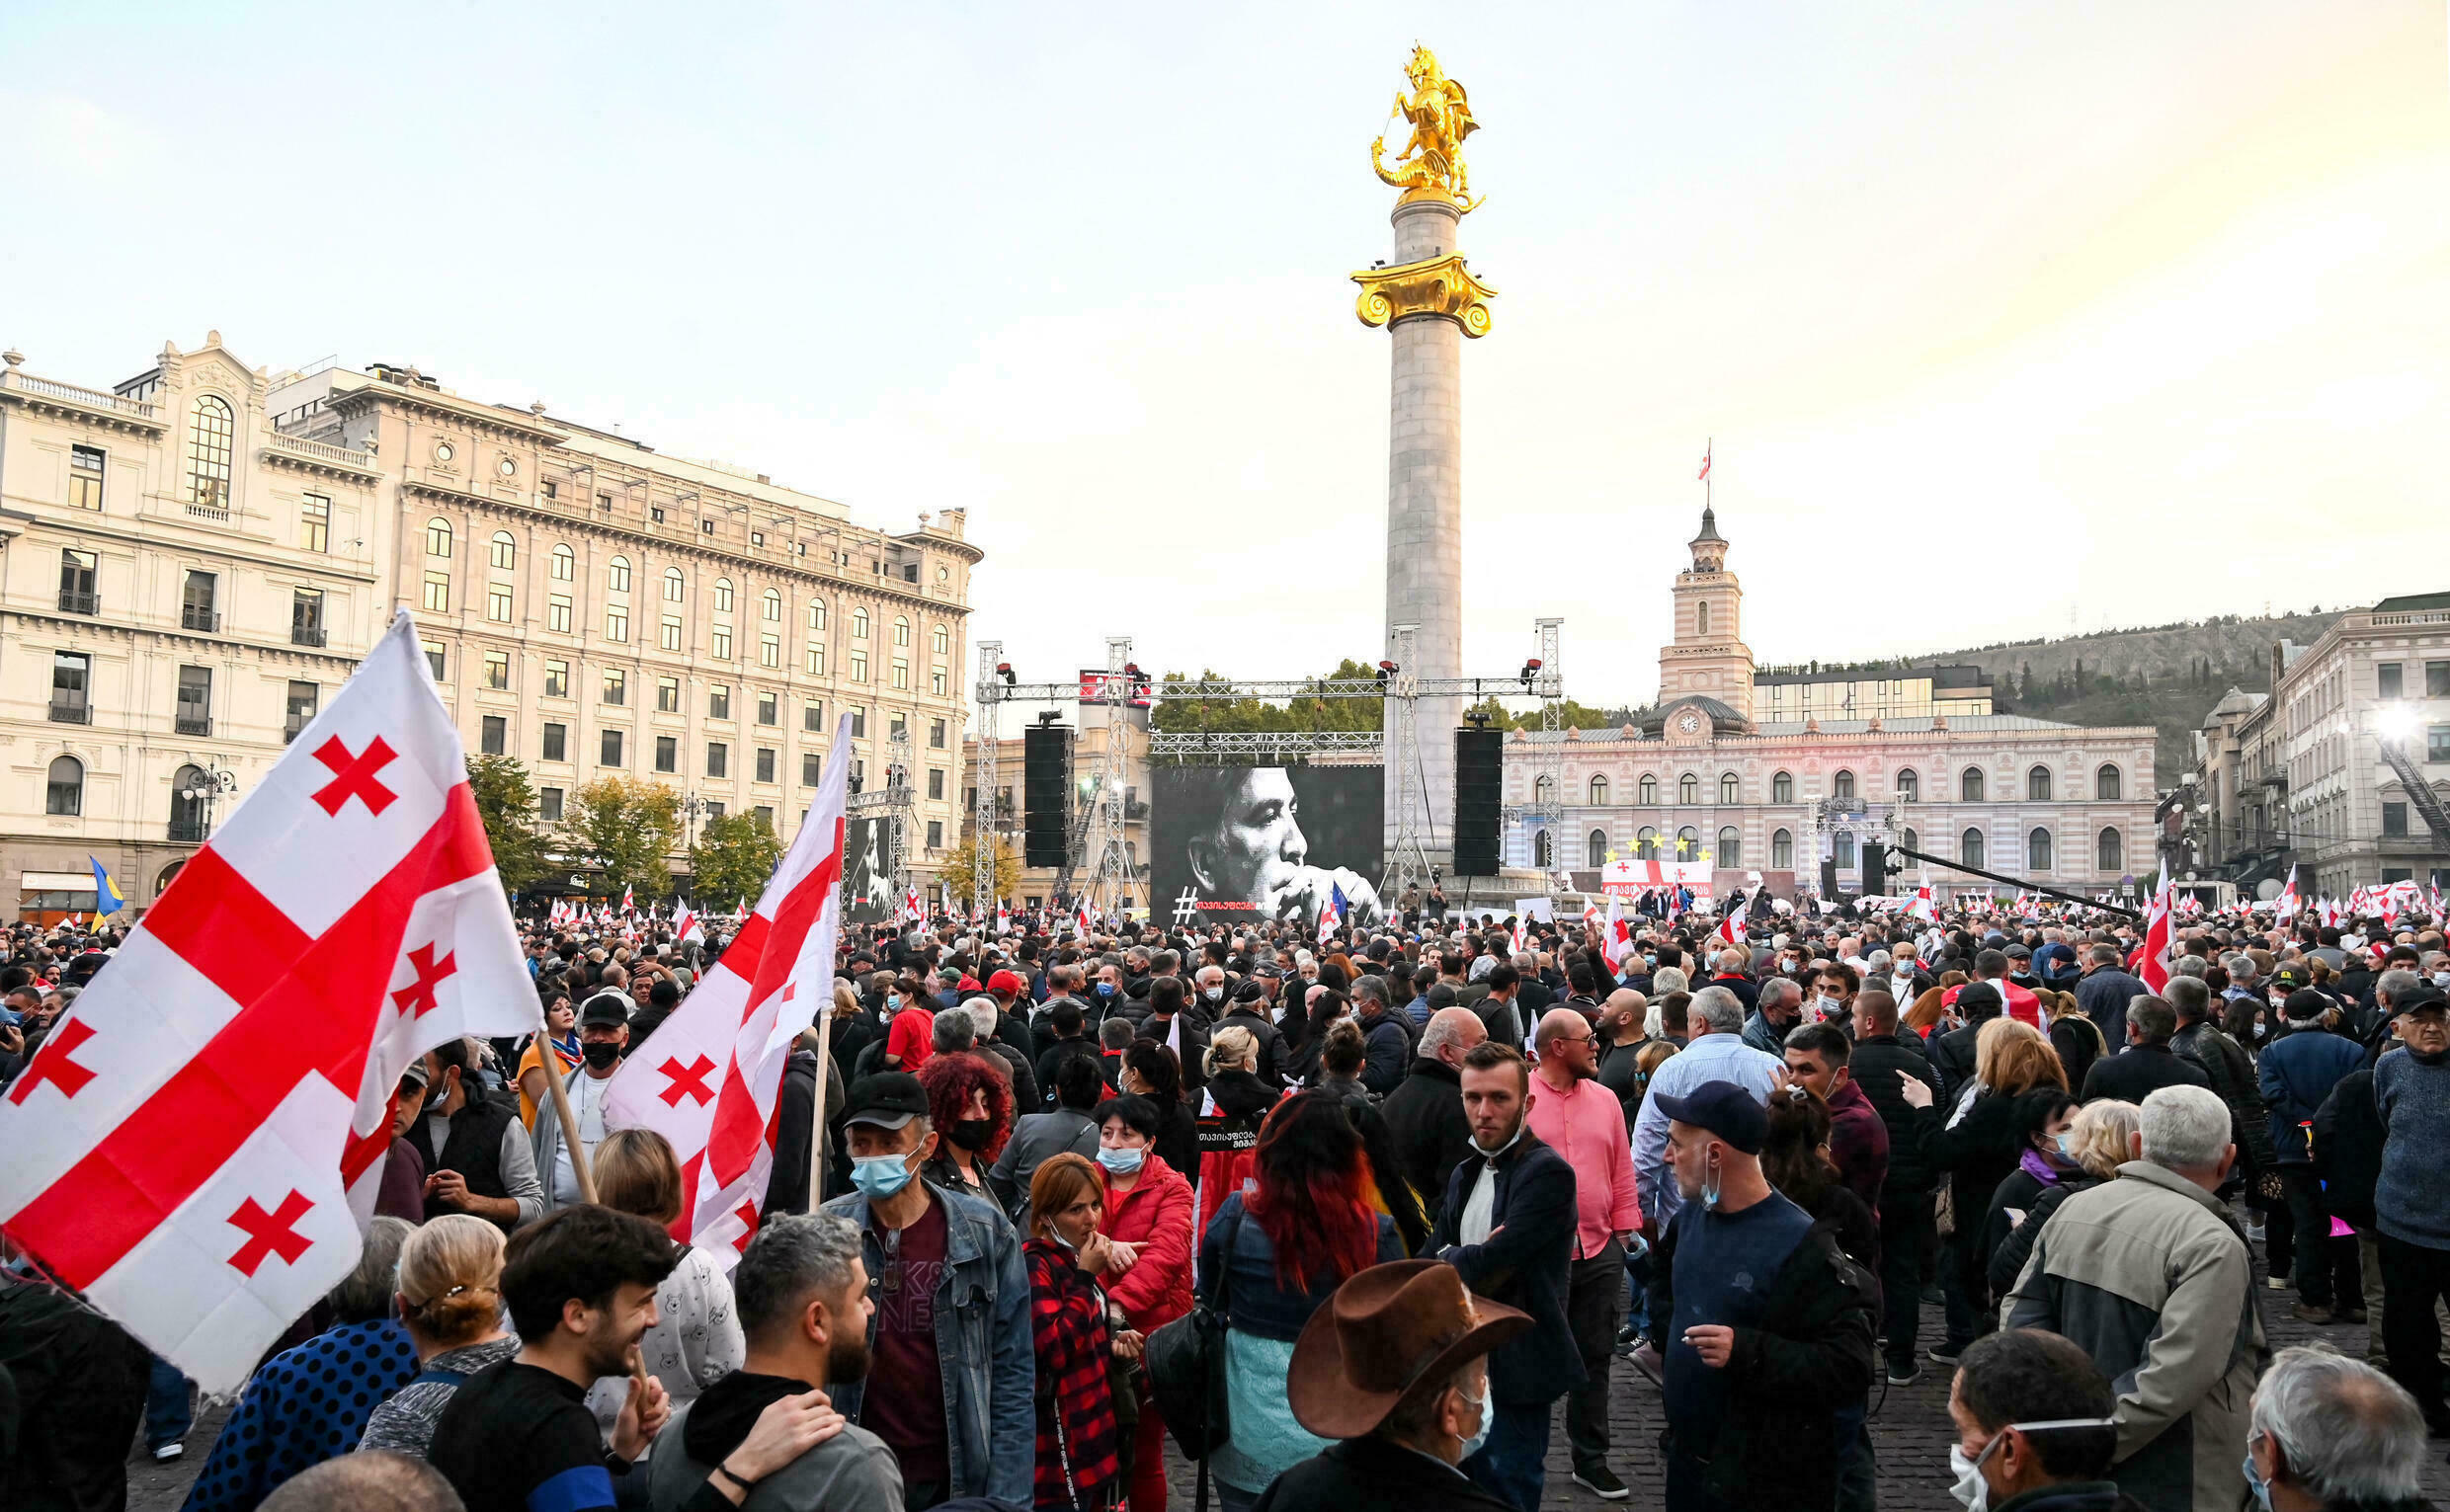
x,y
2150,1275
1714,1052
2331,1432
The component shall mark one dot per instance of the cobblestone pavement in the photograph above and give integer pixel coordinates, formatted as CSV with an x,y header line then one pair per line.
x,y
1910,1427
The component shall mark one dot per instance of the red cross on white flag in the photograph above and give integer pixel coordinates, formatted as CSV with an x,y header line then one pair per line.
x,y
198,1144
685,926
709,1078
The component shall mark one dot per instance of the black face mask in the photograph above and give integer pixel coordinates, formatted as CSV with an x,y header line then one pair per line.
x,y
601,1053
972,1133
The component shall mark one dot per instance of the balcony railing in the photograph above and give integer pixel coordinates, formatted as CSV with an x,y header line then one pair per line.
x,y
291,731
305,635
321,451
72,602
193,724
76,711
196,617
190,831
95,398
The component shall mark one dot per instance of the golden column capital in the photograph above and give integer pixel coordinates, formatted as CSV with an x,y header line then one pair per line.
x,y
1438,287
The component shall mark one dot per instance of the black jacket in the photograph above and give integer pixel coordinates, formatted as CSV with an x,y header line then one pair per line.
x,y
1372,1475
787,1189
2140,1071
1878,1062
2016,1244
1524,1263
1271,1041
2079,1043
1952,1056
1811,1355
2347,1148
1424,1114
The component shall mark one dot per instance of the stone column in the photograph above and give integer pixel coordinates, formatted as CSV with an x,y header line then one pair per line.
x,y
1425,519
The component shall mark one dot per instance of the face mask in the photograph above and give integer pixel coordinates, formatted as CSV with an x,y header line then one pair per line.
x,y
2262,1029
1122,1162
894,1002
601,1053
880,1176
2067,1145
1480,1435
1826,1005
1970,1490
2254,1481
2440,977
1105,989
972,1133
1214,993
1710,1180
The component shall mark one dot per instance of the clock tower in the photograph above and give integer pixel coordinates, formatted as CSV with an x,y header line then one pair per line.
x,y
1708,657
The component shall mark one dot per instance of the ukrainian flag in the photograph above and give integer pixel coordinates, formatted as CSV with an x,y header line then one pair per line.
x,y
107,899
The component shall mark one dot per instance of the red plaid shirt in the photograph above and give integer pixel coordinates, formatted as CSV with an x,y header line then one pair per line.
x,y
1067,1323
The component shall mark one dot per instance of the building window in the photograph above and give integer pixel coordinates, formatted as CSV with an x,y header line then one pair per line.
x,y
565,565
768,709
78,592
719,757
1701,619
609,752
764,764
771,607
859,666
670,635
2394,820
498,604
1730,847
811,768
1781,851
936,784
1730,788
675,586
1598,791
436,660
723,596
616,622
859,624
304,701
1909,786
208,453
556,742
935,735
1687,844
438,537
936,683
722,649
667,752
616,575
552,490
2437,680
615,685
816,613
2438,743
2109,852
1688,790
941,641
859,722
901,673
85,465
493,735
438,592
1969,787
1540,850
714,811
719,701
2388,683
548,804
2037,785
557,613
2105,782
505,551
1594,848
603,500
1646,844
314,523
1969,848
1782,787
901,630
1646,791
186,814
2037,850
557,679
1841,850
769,651
935,834
196,602
1913,841
1841,787
666,696
65,792
498,669
195,712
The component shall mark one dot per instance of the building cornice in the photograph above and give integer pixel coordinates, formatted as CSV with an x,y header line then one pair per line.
x,y
68,401
283,653
486,419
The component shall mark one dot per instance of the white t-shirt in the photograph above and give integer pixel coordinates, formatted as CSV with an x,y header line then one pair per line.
x,y
587,1095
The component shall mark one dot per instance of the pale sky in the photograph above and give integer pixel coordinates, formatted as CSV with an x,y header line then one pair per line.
x,y
2003,317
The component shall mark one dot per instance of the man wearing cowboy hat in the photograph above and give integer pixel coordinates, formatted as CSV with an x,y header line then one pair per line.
x,y
1395,1366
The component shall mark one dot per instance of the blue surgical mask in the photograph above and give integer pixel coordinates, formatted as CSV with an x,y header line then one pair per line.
x,y
1122,1163
1105,989
2256,1483
2067,1144
1471,1446
880,1176
894,1002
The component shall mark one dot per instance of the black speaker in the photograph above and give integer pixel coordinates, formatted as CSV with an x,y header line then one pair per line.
x,y
1875,870
1045,794
1829,880
1480,795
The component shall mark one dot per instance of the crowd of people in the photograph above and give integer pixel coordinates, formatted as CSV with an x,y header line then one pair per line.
x,y
1357,1221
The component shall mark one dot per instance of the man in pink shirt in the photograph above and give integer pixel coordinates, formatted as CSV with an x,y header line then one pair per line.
x,y
1575,1115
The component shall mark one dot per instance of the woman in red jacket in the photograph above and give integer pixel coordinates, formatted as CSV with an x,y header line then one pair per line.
x,y
1148,1224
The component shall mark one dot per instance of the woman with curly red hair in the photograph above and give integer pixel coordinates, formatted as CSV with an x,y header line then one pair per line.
x,y
970,1103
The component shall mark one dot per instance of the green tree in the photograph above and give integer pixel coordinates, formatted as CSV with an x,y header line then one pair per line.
x,y
734,857
624,828
506,802
961,871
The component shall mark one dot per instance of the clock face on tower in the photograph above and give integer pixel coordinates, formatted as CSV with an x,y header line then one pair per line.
x,y
1690,722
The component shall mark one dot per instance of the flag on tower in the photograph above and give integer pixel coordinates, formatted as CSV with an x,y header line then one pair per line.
x,y
197,1144
1703,476
712,1076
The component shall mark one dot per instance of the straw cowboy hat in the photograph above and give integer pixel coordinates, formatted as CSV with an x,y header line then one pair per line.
x,y
1388,1332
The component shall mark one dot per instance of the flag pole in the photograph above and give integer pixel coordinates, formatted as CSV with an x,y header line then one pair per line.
x,y
562,1110
816,1119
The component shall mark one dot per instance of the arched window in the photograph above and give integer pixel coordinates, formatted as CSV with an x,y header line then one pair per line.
x,y
1781,851
723,596
1730,790
2109,852
1913,842
565,565
2037,785
1841,787
616,575
1646,844
943,640
65,793
169,874
1701,619
675,587
771,606
1594,849
1688,844
1842,849
1782,788
1969,787
901,630
2105,783
504,549
816,613
1542,854
1544,790
2037,850
438,536
858,624
1688,788
1646,791
1730,847
187,815
1598,790
1909,786
208,444
1969,848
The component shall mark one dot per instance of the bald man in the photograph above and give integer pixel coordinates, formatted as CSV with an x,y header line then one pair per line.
x,y
1621,1038
1425,1112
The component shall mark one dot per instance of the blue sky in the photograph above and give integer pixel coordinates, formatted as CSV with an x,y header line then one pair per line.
x,y
2005,317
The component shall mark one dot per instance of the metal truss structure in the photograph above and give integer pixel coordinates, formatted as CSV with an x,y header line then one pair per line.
x,y
1226,748
896,801
1099,832
1548,753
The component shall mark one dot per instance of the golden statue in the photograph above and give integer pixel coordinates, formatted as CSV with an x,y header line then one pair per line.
x,y
1430,166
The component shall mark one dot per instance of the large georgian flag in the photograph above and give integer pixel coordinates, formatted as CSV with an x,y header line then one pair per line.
x,y
188,1143
710,1079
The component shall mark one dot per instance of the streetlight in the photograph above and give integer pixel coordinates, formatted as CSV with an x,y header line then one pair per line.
x,y
207,785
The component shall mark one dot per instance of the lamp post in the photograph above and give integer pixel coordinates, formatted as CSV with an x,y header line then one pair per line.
x,y
207,786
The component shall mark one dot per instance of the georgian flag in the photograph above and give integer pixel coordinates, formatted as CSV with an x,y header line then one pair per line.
x,y
1522,935
195,1145
2285,909
1730,928
2152,965
685,926
1003,917
1616,940
1332,913
1704,475
712,1076
1922,908
1080,918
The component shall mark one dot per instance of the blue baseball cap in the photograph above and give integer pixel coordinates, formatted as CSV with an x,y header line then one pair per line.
x,y
1727,1111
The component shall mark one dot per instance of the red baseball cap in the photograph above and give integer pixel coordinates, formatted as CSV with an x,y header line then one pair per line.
x,y
1006,981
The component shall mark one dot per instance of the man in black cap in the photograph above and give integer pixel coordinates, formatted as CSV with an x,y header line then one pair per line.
x,y
1249,1011
950,1385
1766,1327
603,1032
